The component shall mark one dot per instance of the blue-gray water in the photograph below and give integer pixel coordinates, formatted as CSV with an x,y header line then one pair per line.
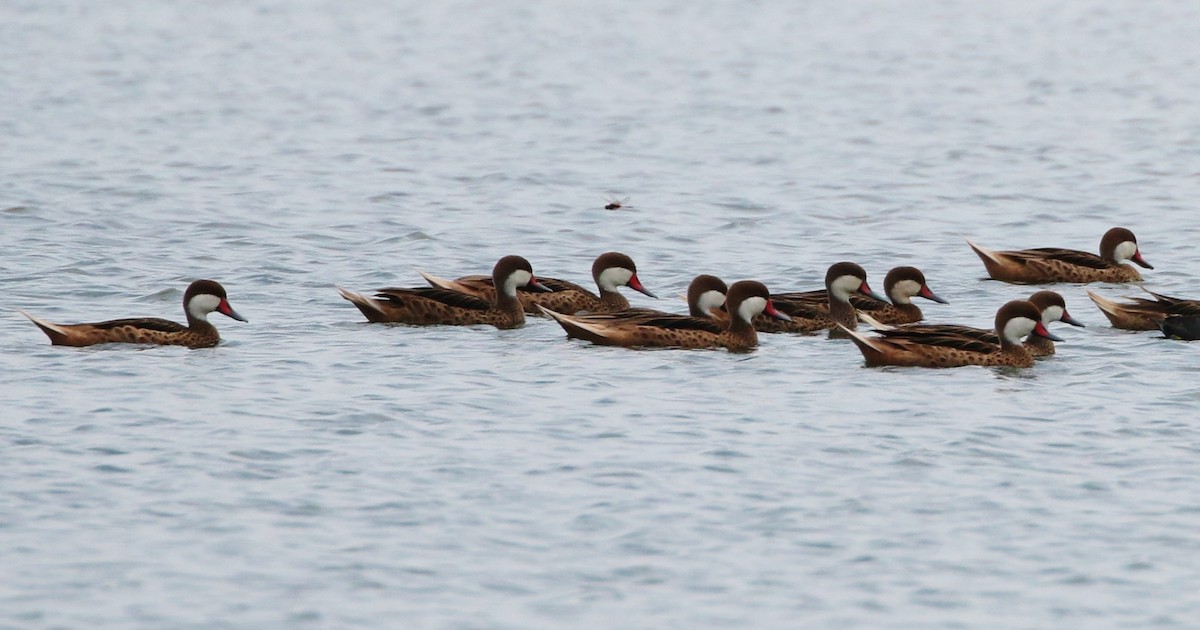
x,y
315,471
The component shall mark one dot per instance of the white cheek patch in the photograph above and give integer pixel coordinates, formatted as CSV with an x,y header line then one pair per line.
x,y
1125,251
904,290
710,300
843,286
518,278
750,307
613,277
201,305
1052,314
1017,328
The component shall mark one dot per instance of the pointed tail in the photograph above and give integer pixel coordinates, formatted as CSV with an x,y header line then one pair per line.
x,y
368,306
55,332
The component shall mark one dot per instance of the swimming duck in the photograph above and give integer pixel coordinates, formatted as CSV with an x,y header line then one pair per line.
x,y
201,298
1049,264
744,301
431,306
610,271
1051,305
1145,314
812,311
912,348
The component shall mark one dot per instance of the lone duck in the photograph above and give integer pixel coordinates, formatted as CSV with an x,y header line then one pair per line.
x,y
201,298
1051,305
431,306
610,271
1048,264
745,300
1143,313
946,348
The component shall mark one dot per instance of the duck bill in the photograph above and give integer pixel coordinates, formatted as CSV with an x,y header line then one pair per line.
x,y
774,312
865,289
1067,319
1137,258
534,285
1040,330
930,295
225,309
636,285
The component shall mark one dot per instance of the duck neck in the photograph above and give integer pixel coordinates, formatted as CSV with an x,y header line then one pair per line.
x,y
741,335
613,300
508,303
911,311
199,324
842,312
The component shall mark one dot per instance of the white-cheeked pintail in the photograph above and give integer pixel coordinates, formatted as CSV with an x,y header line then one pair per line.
x,y
201,298
1049,264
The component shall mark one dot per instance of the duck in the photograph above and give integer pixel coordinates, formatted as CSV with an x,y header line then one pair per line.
x,y
745,300
432,306
1143,313
912,348
1183,327
610,271
1050,304
1048,264
814,311
201,298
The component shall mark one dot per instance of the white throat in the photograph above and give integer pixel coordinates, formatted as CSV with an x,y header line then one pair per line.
x,y
750,307
1125,251
904,290
612,278
843,286
518,278
710,300
201,305
1018,328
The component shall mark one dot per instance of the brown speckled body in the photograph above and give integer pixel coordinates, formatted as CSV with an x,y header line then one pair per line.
x,y
920,345
149,331
1036,345
198,333
1050,264
427,306
1143,313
